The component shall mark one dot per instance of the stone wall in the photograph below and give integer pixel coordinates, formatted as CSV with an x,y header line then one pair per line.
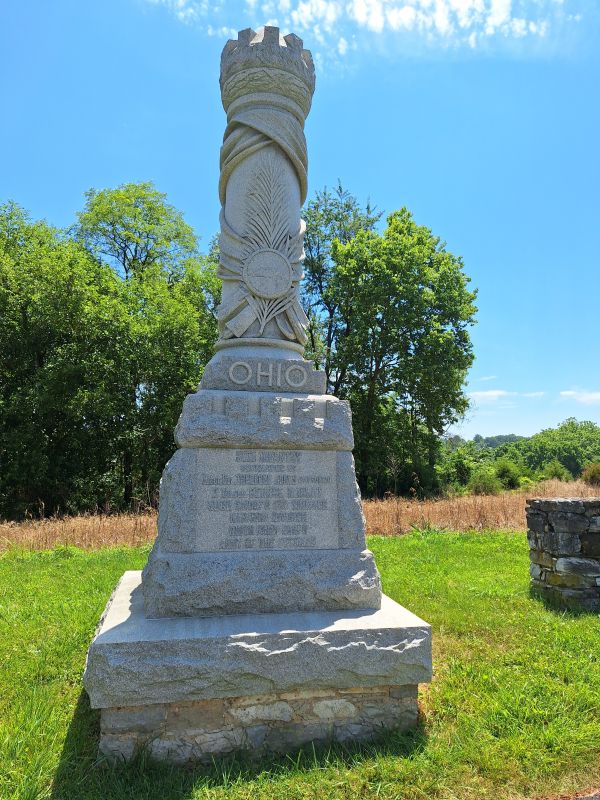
x,y
197,731
564,542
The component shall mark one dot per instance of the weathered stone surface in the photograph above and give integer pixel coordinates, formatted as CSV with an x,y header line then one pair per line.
x,y
294,518
264,626
578,566
231,500
134,660
266,87
535,571
256,374
212,584
200,730
244,419
542,558
569,522
559,543
565,551
594,524
590,544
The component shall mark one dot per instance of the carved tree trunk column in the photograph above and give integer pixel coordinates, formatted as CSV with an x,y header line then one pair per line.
x,y
267,83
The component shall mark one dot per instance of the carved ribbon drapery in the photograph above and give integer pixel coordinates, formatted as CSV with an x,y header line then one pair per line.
x,y
267,89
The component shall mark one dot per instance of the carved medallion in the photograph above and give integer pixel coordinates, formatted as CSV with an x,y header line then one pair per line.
x,y
268,274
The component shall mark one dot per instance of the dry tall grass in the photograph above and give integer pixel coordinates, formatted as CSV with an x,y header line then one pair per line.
x,y
389,517
87,531
507,510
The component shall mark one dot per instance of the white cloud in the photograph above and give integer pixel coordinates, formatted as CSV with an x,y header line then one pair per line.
x,y
399,26
404,17
308,13
586,398
488,378
490,395
533,394
368,14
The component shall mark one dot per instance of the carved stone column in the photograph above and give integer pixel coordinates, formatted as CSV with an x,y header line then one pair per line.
x,y
267,83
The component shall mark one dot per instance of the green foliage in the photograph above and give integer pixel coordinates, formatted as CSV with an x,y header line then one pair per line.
x,y
404,309
94,365
554,469
135,229
484,480
572,443
496,441
330,216
591,474
512,712
525,482
508,473
458,461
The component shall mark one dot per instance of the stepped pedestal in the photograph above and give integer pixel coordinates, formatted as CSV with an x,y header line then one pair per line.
x,y
258,622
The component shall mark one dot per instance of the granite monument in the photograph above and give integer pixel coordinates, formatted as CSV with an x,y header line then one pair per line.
x,y
258,622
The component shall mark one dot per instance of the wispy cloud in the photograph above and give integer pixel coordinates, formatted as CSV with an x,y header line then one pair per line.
x,y
336,28
533,394
490,395
583,397
487,378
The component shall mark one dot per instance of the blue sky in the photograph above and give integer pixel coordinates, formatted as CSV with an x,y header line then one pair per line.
x,y
481,116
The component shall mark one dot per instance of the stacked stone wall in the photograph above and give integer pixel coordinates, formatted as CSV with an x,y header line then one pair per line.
x,y
199,730
564,542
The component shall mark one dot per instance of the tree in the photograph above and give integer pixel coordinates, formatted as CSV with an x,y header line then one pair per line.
x,y
60,311
133,228
573,444
330,216
95,359
170,291
401,332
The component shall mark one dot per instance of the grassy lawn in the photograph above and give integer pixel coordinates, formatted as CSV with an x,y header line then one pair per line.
x,y
513,712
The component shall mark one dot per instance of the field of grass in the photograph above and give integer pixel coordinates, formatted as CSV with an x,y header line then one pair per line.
x,y
513,711
388,517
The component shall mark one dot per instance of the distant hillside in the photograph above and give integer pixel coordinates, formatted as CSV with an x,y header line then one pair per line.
x,y
497,441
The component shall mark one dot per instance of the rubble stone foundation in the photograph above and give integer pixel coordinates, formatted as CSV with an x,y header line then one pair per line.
x,y
197,731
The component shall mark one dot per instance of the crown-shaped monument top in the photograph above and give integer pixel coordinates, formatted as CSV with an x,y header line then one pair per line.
x,y
267,46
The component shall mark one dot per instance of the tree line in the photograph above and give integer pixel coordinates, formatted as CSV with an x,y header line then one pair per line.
x,y
106,326
489,465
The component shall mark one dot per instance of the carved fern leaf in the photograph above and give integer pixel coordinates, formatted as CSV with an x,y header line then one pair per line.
x,y
266,222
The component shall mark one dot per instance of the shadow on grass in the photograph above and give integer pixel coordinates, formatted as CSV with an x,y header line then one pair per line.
x,y
81,775
555,602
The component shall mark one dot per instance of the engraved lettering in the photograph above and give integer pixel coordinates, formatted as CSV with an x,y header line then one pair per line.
x,y
297,383
267,499
240,530
309,505
261,373
219,505
253,479
245,518
240,380
245,455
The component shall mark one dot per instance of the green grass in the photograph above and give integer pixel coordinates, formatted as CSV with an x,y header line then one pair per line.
x,y
513,712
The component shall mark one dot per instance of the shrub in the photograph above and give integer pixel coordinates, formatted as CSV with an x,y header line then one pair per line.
x,y
508,473
591,474
485,481
525,482
554,469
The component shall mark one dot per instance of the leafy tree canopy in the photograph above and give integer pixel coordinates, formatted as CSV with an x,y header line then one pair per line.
x,y
133,228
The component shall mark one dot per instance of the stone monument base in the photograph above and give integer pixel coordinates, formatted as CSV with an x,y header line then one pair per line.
x,y
197,731
190,688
